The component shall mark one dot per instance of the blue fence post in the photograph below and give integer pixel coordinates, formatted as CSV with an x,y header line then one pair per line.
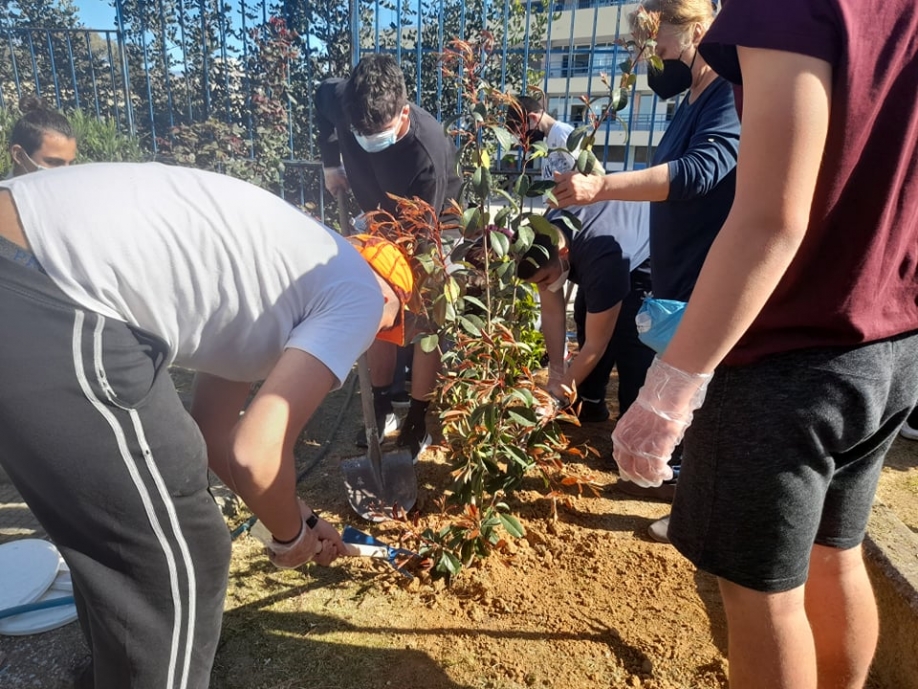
x,y
125,71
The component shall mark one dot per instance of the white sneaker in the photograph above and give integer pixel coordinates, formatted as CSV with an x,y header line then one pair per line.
x,y
389,425
425,443
908,432
659,529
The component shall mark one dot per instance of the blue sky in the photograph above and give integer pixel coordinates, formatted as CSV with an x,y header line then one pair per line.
x,y
97,14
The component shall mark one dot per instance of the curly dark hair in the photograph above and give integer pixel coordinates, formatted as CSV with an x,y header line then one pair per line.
x,y
36,121
374,94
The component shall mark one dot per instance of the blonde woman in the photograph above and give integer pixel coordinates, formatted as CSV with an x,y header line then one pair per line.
x,y
693,176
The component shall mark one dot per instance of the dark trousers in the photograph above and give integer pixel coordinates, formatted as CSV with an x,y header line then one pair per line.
x,y
95,439
625,351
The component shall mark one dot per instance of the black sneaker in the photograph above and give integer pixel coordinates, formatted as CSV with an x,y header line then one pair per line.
x,y
593,412
415,437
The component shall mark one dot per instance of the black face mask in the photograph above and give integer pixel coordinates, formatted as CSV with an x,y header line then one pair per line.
x,y
673,79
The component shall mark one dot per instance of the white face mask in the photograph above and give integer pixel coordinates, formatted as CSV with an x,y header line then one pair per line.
x,y
380,141
559,283
35,165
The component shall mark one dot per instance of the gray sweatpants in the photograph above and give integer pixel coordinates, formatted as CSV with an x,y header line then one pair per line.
x,y
95,438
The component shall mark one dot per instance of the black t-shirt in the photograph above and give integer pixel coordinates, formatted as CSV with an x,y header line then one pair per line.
x,y
422,163
612,239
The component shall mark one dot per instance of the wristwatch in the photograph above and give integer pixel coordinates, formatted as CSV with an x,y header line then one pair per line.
x,y
312,520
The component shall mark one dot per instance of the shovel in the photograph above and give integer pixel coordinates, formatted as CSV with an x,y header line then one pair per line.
x,y
376,483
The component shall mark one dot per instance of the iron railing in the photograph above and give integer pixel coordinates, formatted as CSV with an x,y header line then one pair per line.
x,y
174,62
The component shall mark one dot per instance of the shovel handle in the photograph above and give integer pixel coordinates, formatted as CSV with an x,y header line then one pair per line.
x,y
363,369
343,219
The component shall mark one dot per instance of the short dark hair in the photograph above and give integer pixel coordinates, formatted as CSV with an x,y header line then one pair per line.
x,y
542,252
36,121
516,113
374,94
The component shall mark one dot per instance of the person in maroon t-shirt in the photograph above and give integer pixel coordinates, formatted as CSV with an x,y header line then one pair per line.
x,y
806,312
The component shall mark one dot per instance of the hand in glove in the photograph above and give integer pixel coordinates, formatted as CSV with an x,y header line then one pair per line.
x,y
645,437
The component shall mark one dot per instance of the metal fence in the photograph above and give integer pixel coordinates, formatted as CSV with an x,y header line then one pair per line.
x,y
170,63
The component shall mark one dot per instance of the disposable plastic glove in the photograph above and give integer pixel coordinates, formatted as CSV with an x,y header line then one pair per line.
x,y
645,437
335,179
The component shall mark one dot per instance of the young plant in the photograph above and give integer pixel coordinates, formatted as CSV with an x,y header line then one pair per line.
x,y
498,425
606,108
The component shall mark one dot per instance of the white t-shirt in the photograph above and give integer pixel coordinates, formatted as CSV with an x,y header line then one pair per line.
x,y
558,161
229,275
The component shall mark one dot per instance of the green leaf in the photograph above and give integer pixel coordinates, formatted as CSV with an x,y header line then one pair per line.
x,y
518,455
467,324
521,186
520,419
502,215
512,525
656,63
524,238
625,66
504,138
542,225
538,150
475,301
631,81
619,100
571,221
575,138
451,289
481,181
471,220
539,187
450,562
500,243
584,162
429,343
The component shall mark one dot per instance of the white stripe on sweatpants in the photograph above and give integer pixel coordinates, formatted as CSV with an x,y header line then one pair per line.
x,y
131,467
164,496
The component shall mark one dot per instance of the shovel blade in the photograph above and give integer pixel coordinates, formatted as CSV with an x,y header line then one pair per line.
x,y
373,494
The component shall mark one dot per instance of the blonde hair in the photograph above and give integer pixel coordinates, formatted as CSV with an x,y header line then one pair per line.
x,y
682,12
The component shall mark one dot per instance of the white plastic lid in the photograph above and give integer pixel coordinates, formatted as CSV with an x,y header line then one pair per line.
x,y
27,568
40,620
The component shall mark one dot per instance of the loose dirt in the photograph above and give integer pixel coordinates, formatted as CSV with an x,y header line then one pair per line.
x,y
588,601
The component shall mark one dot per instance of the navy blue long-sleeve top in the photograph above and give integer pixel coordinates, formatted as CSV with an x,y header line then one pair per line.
x,y
700,146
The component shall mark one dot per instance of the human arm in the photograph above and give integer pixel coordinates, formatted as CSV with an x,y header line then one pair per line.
x,y
785,123
215,407
261,461
599,328
699,163
554,330
575,189
327,113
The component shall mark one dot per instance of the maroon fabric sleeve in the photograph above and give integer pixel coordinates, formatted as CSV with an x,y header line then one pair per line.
x,y
808,27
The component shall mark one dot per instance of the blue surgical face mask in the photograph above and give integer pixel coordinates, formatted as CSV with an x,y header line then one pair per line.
x,y
380,141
